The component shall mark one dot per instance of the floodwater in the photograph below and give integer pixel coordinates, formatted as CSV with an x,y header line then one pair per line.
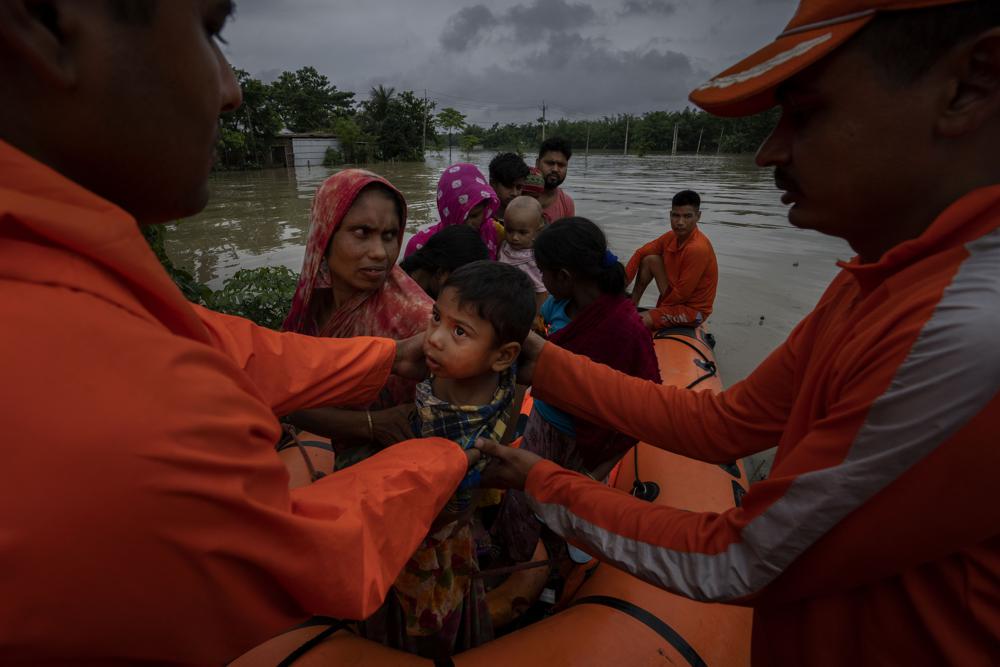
x,y
770,273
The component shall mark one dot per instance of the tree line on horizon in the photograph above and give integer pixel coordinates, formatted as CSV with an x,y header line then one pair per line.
x,y
396,125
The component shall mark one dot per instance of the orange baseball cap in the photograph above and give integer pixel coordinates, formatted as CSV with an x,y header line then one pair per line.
x,y
818,27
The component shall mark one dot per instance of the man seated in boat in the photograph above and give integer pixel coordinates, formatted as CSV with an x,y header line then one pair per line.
x,y
876,538
683,265
150,521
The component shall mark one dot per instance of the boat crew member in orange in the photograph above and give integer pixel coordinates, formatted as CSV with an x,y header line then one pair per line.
x,y
683,264
145,514
876,538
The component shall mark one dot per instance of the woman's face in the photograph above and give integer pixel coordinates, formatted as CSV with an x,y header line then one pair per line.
x,y
475,217
366,244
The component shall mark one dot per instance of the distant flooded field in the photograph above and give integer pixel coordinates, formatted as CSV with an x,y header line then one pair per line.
x,y
770,273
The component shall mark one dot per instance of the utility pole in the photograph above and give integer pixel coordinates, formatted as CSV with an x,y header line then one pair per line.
x,y
700,135
423,143
627,119
543,120
718,149
586,155
673,149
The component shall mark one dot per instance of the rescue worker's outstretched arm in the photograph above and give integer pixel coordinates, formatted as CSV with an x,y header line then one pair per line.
x,y
899,431
160,497
293,372
719,428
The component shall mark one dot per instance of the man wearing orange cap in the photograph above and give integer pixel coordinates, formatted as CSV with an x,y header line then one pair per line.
x,y
876,539
144,515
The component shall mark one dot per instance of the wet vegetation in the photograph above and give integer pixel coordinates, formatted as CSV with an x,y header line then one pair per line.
x,y
697,132
400,125
262,295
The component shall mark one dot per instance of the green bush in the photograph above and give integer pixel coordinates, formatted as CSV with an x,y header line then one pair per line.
x,y
332,157
262,295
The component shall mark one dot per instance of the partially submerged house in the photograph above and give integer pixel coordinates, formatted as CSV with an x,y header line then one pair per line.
x,y
301,149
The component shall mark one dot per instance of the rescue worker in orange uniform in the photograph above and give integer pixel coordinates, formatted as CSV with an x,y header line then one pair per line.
x,y
683,264
144,515
876,538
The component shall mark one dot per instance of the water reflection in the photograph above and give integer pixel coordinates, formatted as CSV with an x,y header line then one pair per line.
x,y
771,274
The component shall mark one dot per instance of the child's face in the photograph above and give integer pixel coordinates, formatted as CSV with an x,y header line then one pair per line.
x,y
507,193
522,227
475,217
459,344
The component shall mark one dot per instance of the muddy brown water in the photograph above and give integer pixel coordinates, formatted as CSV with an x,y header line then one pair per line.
x,y
770,273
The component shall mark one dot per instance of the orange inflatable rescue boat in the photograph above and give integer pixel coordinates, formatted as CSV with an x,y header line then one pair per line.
x,y
607,617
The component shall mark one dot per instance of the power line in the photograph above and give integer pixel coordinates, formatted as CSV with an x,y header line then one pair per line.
x,y
518,106
485,103
477,110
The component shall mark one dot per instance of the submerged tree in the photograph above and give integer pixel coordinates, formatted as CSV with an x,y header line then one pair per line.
x,y
451,119
396,121
379,102
469,143
247,132
653,131
307,101
352,139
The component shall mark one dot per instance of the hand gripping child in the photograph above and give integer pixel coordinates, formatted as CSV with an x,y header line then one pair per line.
x,y
482,315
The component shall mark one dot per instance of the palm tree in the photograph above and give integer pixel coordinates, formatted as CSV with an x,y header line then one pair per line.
x,y
378,102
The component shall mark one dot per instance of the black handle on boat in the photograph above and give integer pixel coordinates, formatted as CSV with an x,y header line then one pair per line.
x,y
707,365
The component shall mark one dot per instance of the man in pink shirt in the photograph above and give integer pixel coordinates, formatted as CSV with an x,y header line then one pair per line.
x,y
553,162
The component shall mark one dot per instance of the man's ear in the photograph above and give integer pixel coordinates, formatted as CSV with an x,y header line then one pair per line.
x,y
975,93
505,356
39,33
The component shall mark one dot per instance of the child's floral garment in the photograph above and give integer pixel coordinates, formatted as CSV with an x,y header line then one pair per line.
x,y
435,584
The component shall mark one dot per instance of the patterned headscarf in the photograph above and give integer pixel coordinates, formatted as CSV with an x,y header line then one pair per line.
x,y
462,187
398,309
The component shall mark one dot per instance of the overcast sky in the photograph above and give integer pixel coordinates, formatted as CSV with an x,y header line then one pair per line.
x,y
498,61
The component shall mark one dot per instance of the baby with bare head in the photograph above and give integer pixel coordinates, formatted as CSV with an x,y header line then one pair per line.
x,y
522,222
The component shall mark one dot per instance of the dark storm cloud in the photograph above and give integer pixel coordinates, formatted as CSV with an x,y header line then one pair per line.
x,y
496,60
525,23
464,26
577,76
647,8
531,22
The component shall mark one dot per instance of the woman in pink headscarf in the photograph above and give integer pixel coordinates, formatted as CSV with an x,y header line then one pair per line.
x,y
464,197
351,286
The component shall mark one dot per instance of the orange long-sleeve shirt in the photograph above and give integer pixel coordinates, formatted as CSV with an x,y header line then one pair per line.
x,y
692,270
876,538
144,515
